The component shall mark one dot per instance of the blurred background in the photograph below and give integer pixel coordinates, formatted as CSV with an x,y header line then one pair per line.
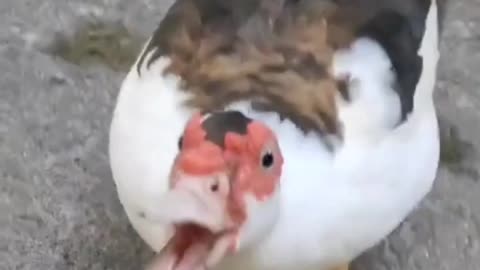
x,y
61,65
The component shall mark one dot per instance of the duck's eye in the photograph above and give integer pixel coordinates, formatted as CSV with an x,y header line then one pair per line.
x,y
267,160
180,143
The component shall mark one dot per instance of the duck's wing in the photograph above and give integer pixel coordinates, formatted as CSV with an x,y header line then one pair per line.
x,y
280,52
399,27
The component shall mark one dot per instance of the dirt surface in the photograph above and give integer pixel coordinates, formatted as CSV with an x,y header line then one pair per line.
x,y
58,206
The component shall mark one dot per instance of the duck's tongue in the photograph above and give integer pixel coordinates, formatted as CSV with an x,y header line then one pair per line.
x,y
192,248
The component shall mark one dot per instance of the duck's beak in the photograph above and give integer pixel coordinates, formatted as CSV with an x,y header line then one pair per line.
x,y
197,207
199,200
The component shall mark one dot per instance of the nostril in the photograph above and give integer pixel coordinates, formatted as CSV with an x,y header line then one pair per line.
x,y
214,186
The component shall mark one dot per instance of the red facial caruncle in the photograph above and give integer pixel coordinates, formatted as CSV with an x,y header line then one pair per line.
x,y
258,159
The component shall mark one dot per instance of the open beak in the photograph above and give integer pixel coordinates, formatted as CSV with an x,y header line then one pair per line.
x,y
197,207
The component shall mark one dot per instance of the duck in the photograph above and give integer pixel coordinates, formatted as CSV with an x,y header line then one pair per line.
x,y
277,134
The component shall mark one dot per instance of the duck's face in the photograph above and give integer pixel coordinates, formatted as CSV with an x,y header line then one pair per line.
x,y
224,186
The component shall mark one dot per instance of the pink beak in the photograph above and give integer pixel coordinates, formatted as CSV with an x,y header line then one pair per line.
x,y
198,200
201,200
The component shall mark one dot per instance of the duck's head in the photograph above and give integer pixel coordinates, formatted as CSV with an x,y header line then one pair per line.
x,y
224,189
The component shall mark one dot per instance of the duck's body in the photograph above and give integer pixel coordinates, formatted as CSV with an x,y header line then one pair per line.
x,y
334,203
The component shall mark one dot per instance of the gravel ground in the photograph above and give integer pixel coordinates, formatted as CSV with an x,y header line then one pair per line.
x,y
58,205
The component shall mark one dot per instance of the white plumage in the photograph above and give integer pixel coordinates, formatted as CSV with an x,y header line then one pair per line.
x,y
332,205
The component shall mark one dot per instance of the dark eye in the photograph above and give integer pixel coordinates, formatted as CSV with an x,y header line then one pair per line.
x,y
180,142
267,160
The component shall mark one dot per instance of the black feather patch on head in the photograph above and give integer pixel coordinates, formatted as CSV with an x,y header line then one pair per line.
x,y
217,124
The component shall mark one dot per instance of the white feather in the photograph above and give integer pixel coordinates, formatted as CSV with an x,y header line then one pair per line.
x,y
147,123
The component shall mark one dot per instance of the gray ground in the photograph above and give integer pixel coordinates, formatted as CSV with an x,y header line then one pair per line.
x,y
58,207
